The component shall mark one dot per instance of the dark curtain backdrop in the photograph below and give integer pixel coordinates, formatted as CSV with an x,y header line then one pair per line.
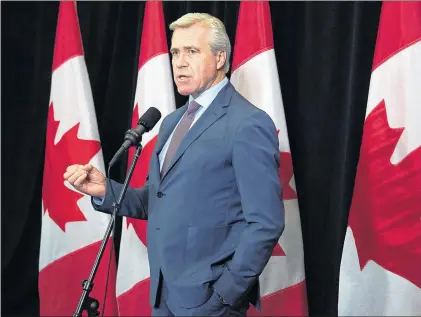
x,y
324,52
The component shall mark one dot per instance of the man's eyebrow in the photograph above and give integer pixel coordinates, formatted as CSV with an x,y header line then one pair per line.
x,y
174,49
190,47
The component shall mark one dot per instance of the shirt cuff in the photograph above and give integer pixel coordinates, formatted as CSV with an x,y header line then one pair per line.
x,y
98,200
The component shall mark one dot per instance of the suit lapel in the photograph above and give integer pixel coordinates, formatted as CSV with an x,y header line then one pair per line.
x,y
167,129
216,110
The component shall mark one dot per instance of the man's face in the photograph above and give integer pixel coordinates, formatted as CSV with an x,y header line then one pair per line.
x,y
194,66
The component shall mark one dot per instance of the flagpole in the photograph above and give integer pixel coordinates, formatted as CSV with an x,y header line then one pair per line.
x,y
86,302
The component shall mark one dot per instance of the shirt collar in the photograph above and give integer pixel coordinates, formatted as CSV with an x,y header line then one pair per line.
x,y
206,97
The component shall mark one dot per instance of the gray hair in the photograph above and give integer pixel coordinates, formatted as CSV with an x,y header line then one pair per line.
x,y
219,40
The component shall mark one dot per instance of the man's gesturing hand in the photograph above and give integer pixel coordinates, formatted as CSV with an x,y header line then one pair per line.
x,y
86,179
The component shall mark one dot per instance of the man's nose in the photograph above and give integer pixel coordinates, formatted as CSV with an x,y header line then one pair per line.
x,y
181,60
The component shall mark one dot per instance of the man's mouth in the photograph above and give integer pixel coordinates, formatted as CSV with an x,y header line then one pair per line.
x,y
182,77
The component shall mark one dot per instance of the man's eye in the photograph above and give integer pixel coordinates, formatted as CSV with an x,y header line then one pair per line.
x,y
192,51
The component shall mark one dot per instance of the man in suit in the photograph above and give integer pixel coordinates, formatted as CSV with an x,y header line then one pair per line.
x,y
213,198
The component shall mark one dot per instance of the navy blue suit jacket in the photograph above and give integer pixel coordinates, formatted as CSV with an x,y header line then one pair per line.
x,y
215,217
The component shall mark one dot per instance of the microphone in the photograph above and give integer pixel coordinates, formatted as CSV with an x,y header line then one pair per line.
x,y
134,136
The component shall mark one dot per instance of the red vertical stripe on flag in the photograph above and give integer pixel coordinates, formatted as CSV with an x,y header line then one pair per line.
x,y
400,26
68,42
154,39
254,18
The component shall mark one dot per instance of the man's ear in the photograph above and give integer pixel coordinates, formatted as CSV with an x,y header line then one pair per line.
x,y
221,58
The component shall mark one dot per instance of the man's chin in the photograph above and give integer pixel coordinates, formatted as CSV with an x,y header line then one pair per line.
x,y
184,91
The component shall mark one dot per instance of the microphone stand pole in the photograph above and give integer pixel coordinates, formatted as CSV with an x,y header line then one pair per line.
x,y
86,302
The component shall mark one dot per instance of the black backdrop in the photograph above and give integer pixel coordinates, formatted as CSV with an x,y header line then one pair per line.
x,y
324,52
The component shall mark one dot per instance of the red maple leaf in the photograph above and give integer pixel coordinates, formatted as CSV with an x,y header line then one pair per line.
x,y
60,201
278,251
386,208
139,176
285,174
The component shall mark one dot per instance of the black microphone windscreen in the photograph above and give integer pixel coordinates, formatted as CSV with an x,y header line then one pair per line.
x,y
150,118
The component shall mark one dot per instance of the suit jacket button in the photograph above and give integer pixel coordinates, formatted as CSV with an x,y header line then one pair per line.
x,y
159,194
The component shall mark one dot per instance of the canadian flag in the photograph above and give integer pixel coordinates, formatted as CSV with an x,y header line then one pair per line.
x,y
255,76
154,89
381,261
71,229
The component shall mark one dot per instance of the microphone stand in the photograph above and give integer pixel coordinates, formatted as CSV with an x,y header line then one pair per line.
x,y
86,302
